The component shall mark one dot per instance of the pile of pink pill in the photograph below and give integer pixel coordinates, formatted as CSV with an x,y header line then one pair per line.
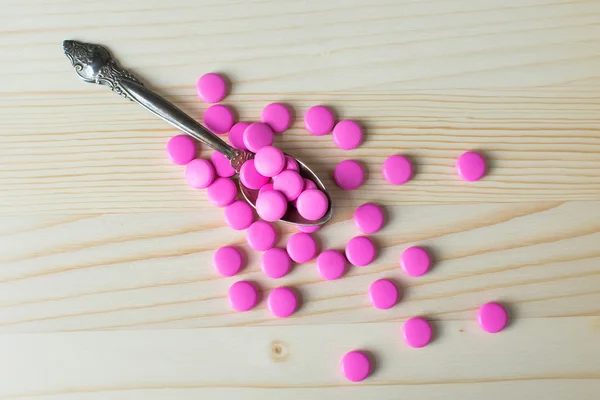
x,y
276,176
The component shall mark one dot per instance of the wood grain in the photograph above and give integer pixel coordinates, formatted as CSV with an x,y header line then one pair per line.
x,y
106,284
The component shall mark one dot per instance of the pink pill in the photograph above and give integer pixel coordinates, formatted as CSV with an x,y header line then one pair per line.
x,y
250,177
290,183
417,332
383,294
349,175
264,188
257,135
277,116
227,261
355,366
397,170
301,247
347,135
319,120
211,88
331,264
222,165
470,166
492,317
292,164
221,192
239,215
415,261
368,218
218,119
261,236
360,251
181,149
282,302
309,228
275,263
271,205
312,204
199,173
236,135
308,184
269,161
242,296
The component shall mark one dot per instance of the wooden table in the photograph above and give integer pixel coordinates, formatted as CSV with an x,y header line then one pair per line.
x,y
106,284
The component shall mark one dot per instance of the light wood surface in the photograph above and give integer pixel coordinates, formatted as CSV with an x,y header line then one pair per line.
x,y
106,284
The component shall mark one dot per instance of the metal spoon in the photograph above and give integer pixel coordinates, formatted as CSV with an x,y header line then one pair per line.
x,y
94,64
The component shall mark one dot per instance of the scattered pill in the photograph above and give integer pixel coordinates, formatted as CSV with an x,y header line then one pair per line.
x,y
417,332
257,135
242,296
349,175
264,188
261,236
397,169
275,263
319,120
269,161
218,119
292,164
239,215
383,294
181,149
277,116
471,166
222,165
221,192
347,134
282,302
290,183
211,88
199,173
308,228
368,218
312,204
355,366
492,317
331,264
360,251
236,135
271,205
227,261
250,177
301,247
415,261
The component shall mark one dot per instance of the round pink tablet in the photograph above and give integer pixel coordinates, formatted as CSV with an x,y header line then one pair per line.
x,y
360,251
312,204
282,302
355,366
415,261
250,177
492,317
308,184
211,88
301,247
261,236
264,188
271,205
383,294
199,173
269,161
417,332
290,183
368,218
242,296
347,134
218,119
236,135
221,192
348,175
181,149
397,169
308,229
257,135
277,116
222,165
331,264
470,166
318,120
227,261
275,263
292,164
239,215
